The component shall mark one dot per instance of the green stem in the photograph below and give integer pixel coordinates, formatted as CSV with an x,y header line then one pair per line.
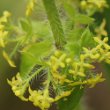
x,y
55,23
14,50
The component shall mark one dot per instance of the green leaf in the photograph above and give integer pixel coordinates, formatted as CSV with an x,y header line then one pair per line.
x,y
77,39
42,29
75,35
27,63
74,45
69,9
72,100
73,49
87,39
83,19
26,25
33,55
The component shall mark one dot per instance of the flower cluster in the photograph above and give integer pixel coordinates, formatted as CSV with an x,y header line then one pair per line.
x,y
67,71
93,4
41,98
90,82
3,32
57,61
3,35
18,86
64,74
62,66
73,72
101,52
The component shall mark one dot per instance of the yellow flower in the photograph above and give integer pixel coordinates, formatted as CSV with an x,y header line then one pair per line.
x,y
5,17
99,3
93,81
99,53
30,7
79,67
18,87
83,4
101,29
89,5
3,32
40,98
57,61
63,94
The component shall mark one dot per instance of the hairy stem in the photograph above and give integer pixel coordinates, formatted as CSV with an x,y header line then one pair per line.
x,y
55,23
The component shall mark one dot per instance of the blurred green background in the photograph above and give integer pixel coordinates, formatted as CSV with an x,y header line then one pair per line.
x,y
15,6
97,98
